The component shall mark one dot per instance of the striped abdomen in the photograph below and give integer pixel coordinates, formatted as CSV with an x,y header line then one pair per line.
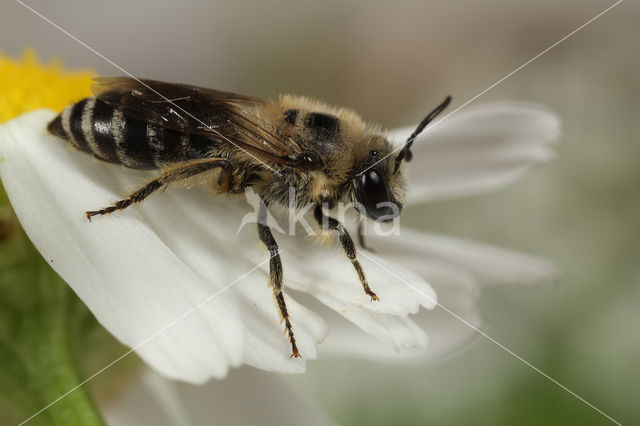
x,y
93,126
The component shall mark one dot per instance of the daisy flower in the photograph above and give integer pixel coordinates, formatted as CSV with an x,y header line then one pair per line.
x,y
175,280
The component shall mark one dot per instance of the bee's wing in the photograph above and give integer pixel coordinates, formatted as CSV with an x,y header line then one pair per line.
x,y
224,116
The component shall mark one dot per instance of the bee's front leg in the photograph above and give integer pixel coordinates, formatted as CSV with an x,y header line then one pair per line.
x,y
275,275
328,223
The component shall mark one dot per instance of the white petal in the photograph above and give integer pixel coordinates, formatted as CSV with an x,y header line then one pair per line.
x,y
478,149
247,397
310,275
491,266
453,325
457,270
388,338
133,292
457,291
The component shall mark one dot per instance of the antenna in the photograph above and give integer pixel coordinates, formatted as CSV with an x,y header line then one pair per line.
x,y
405,154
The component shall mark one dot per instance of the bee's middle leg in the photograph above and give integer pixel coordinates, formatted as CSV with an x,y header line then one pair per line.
x,y
328,223
275,277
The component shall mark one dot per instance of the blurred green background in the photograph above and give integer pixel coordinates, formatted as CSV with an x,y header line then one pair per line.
x,y
391,62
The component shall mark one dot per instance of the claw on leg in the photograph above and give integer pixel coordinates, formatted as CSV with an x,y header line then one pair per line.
x,y
295,353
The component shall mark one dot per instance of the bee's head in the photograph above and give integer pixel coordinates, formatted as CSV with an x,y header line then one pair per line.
x,y
380,186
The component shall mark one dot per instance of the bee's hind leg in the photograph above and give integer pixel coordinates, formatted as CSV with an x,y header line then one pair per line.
x,y
175,174
328,223
275,275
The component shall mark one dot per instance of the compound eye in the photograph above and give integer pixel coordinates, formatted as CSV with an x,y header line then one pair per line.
x,y
374,195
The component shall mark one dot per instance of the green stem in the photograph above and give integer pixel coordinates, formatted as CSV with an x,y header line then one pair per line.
x,y
43,377
54,370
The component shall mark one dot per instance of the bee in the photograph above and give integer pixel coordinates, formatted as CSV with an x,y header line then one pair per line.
x,y
229,142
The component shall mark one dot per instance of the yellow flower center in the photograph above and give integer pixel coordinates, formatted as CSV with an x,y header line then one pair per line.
x,y
28,84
